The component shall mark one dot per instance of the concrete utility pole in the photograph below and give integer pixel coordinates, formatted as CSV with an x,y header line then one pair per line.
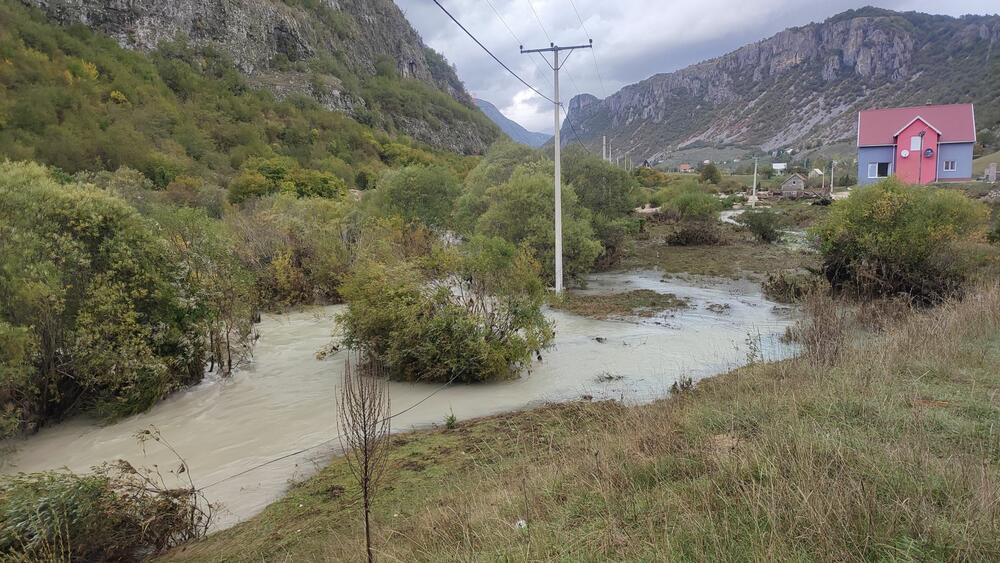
x,y
554,49
832,164
752,200
604,148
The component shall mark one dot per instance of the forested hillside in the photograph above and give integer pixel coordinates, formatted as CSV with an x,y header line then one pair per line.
x,y
75,99
332,52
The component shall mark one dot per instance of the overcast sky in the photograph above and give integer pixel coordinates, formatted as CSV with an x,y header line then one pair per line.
x,y
633,38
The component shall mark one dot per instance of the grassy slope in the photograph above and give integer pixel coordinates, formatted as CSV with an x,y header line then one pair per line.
x,y
891,453
979,165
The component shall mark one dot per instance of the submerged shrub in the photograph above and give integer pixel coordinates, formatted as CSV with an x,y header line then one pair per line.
x,y
469,314
891,238
788,286
695,233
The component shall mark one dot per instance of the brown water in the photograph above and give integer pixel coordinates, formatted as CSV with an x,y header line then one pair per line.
x,y
284,401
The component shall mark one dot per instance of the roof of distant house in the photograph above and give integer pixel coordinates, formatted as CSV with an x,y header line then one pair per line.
x,y
879,127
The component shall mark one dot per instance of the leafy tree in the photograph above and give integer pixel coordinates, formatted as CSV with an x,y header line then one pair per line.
x,y
417,193
109,323
710,173
495,168
521,212
600,187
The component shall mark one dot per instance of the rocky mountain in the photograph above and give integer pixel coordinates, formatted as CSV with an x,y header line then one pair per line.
x,y
803,86
326,49
513,129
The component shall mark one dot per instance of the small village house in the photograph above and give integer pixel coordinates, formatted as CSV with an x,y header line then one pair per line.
x,y
685,167
779,167
920,144
794,186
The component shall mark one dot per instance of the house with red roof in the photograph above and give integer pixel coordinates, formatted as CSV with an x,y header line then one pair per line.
x,y
920,144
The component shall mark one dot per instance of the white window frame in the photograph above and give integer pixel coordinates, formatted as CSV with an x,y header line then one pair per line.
x,y
916,143
873,170
951,166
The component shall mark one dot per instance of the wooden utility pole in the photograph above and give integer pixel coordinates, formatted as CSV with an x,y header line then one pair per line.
x,y
556,65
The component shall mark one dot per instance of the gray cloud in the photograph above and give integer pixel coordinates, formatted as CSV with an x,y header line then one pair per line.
x,y
633,38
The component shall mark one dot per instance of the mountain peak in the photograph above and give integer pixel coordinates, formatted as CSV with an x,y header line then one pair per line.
x,y
513,129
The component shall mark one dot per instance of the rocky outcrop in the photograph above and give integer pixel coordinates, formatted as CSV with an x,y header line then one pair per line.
x,y
273,42
803,85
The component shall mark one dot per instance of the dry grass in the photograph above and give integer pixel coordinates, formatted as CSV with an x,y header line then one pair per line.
x,y
887,451
738,258
635,303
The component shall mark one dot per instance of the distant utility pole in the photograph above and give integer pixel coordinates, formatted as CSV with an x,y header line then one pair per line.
x,y
604,148
832,164
752,200
554,49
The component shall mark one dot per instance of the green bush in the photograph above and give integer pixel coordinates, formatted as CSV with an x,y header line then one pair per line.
x,y
417,193
470,314
764,224
262,177
693,206
891,238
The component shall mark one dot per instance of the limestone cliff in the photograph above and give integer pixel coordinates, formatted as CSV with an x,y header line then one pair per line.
x,y
803,85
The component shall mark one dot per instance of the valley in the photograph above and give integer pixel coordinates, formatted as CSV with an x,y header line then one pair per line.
x,y
274,285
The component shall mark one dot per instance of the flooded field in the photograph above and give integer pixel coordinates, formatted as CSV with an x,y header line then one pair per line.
x,y
284,401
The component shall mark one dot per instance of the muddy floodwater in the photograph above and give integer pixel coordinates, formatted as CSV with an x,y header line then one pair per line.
x,y
285,400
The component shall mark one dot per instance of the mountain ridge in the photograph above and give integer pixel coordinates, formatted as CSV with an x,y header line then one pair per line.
x,y
513,129
802,85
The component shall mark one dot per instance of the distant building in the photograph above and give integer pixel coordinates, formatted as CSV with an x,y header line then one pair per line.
x,y
815,173
780,167
794,186
920,144
685,167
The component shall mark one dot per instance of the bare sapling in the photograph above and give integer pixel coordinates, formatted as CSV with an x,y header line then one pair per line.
x,y
364,434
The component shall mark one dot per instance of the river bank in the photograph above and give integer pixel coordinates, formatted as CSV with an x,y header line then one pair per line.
x,y
284,401
890,452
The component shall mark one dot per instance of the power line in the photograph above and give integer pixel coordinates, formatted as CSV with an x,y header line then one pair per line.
x,y
593,52
490,53
518,39
325,442
539,20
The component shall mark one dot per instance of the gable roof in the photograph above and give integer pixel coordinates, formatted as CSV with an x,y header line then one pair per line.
x,y
956,123
792,177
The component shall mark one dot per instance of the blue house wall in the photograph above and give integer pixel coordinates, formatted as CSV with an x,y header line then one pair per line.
x,y
874,154
961,153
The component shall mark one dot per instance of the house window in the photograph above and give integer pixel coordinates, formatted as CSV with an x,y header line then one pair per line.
x,y
950,166
878,169
916,142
